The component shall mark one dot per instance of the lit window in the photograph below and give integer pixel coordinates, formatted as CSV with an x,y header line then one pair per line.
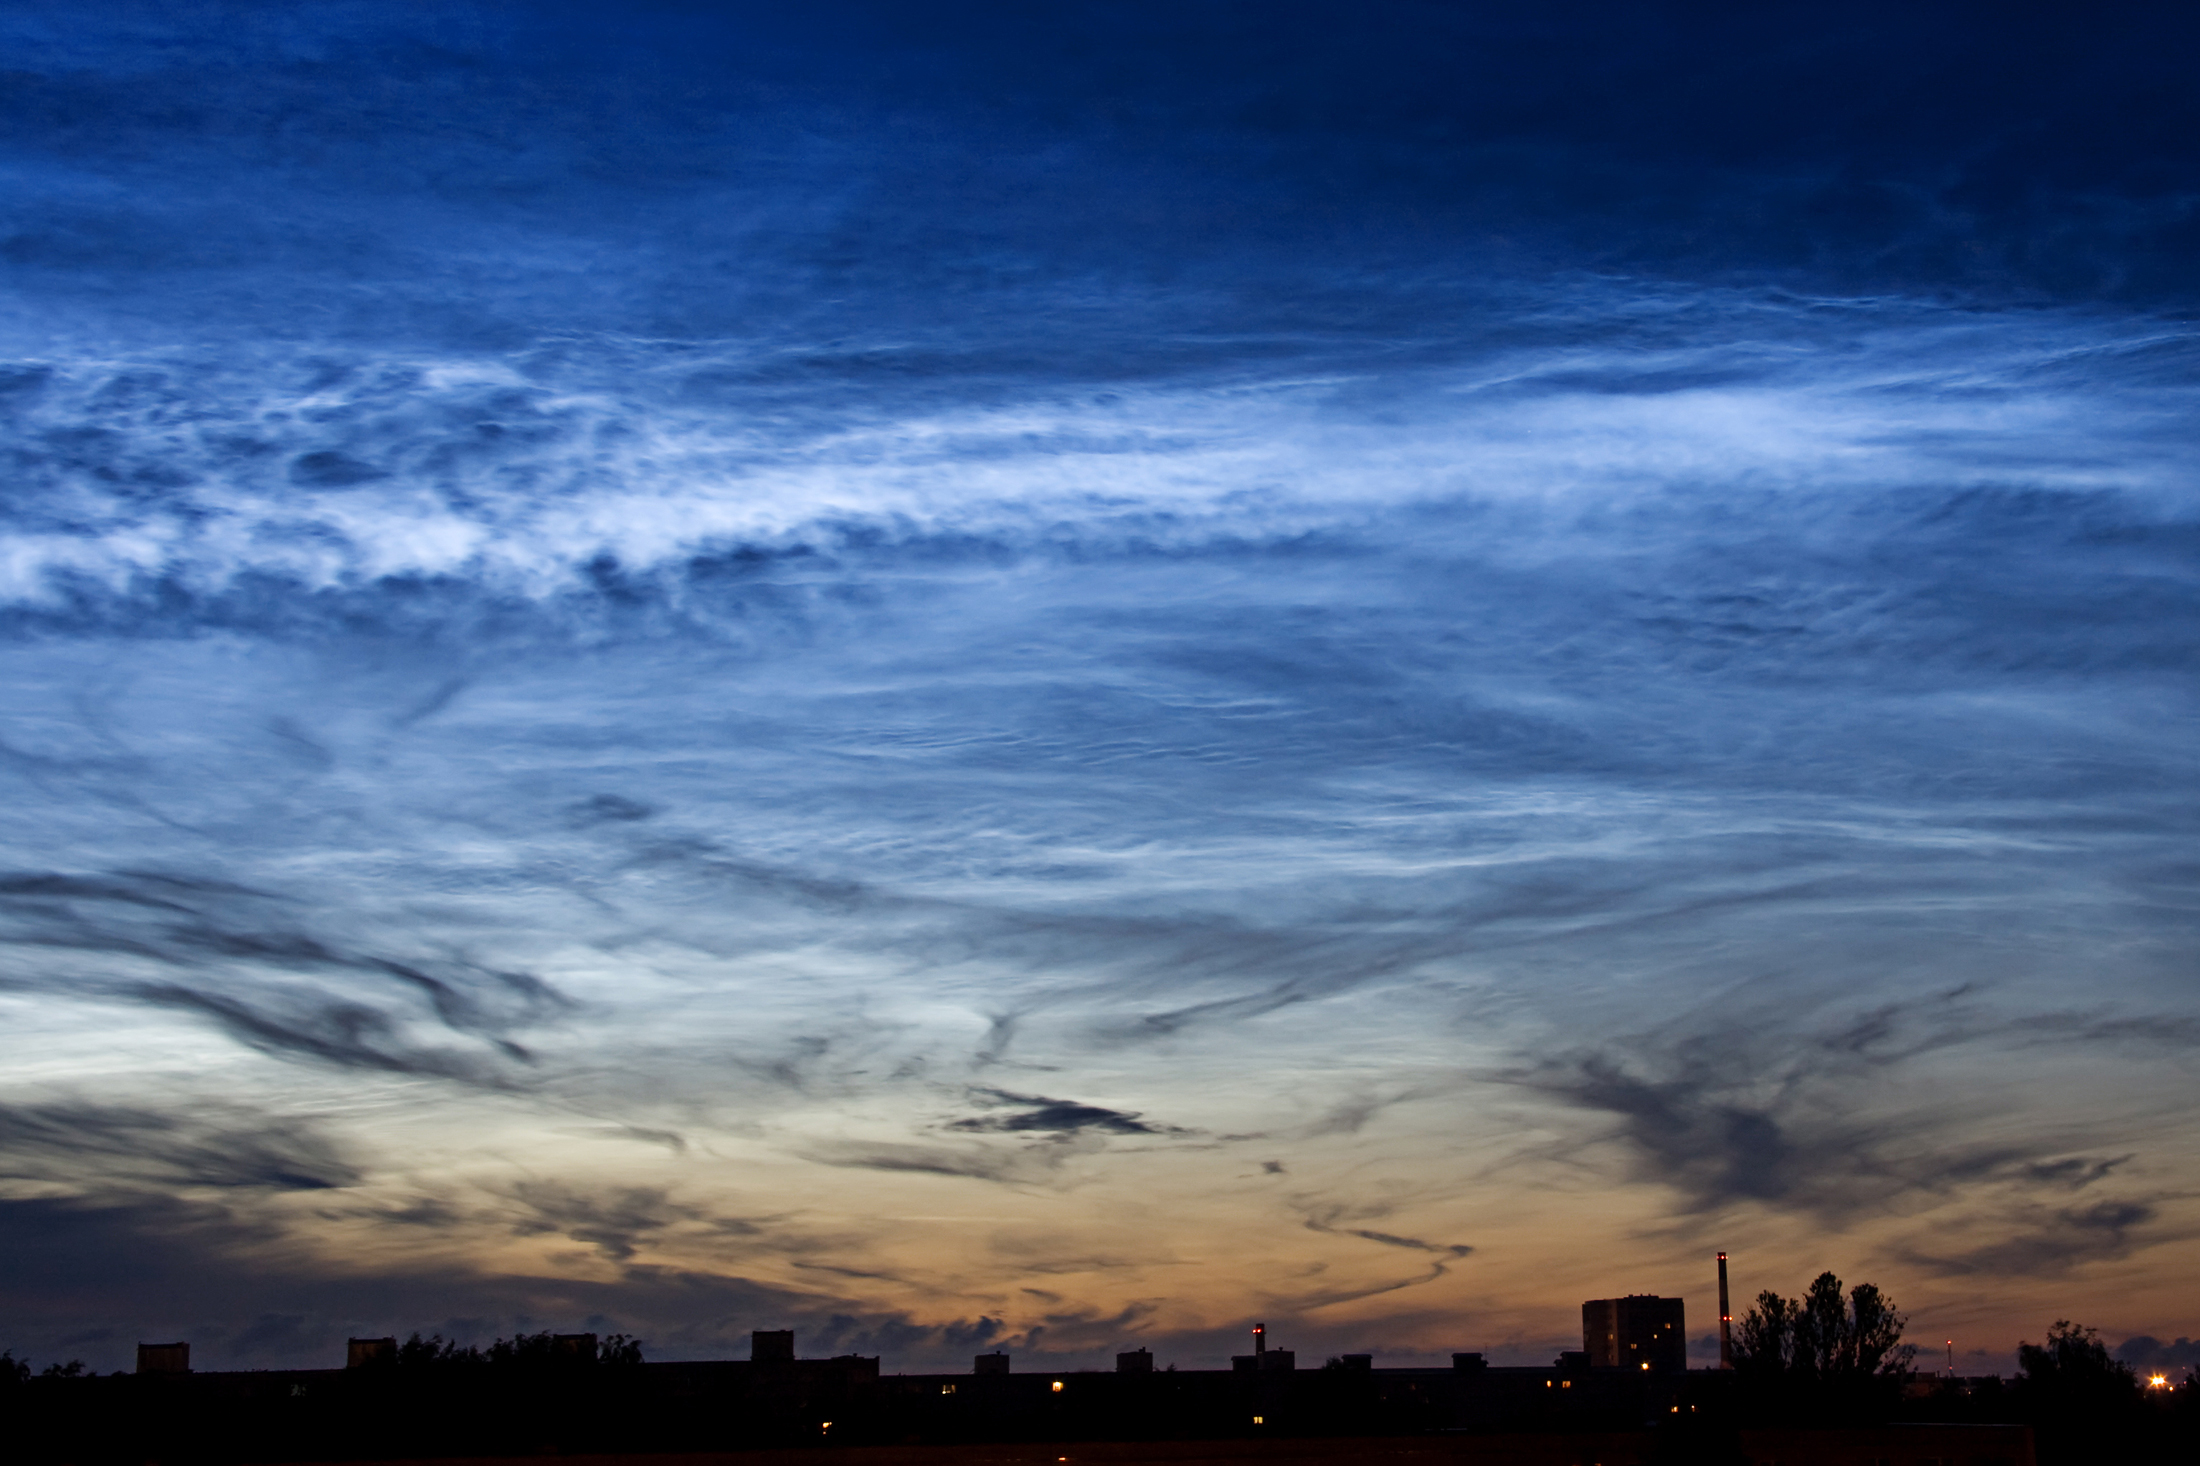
x,y
1260,1420
1057,1387
947,1389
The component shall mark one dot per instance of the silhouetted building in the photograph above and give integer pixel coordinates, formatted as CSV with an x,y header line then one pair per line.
x,y
1263,1357
1638,1332
164,1359
994,1363
1466,1363
1266,1360
771,1346
359,1353
1138,1361
1364,1362
1571,1361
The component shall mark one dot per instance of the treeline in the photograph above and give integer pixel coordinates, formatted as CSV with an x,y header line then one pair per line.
x,y
1834,1358
527,1394
523,1352
2084,1404
1824,1354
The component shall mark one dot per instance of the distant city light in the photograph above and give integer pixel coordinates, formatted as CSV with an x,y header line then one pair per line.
x,y
2157,1381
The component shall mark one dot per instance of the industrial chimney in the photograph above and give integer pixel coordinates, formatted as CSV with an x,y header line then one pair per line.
x,y
1726,1321
1260,1338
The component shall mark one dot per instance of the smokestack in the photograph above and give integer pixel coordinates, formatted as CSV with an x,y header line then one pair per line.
x,y
1260,1338
1726,1321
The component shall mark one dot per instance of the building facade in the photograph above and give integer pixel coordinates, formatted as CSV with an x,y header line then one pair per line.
x,y
1640,1332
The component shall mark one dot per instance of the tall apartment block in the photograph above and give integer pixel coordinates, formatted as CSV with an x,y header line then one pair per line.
x,y
1638,1332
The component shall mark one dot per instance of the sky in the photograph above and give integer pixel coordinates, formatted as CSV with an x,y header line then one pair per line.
x,y
1060,678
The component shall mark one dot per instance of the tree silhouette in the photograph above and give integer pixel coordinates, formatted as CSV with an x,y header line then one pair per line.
x,y
2087,1406
1823,1351
435,1352
525,1353
2073,1373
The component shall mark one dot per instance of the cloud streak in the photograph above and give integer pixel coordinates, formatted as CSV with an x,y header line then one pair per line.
x,y
70,1141
238,958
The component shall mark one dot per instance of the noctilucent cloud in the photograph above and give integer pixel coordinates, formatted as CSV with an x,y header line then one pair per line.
x,y
1058,677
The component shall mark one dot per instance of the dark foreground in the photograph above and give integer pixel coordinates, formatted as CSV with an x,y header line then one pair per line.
x,y
2003,1445
821,1413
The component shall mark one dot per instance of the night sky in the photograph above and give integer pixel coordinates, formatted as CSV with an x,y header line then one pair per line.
x,y
1060,676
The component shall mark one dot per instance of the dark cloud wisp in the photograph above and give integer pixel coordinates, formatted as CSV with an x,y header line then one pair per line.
x,y
1036,1114
112,1145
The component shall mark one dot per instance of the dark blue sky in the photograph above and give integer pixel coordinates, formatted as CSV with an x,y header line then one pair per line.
x,y
957,674
699,171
